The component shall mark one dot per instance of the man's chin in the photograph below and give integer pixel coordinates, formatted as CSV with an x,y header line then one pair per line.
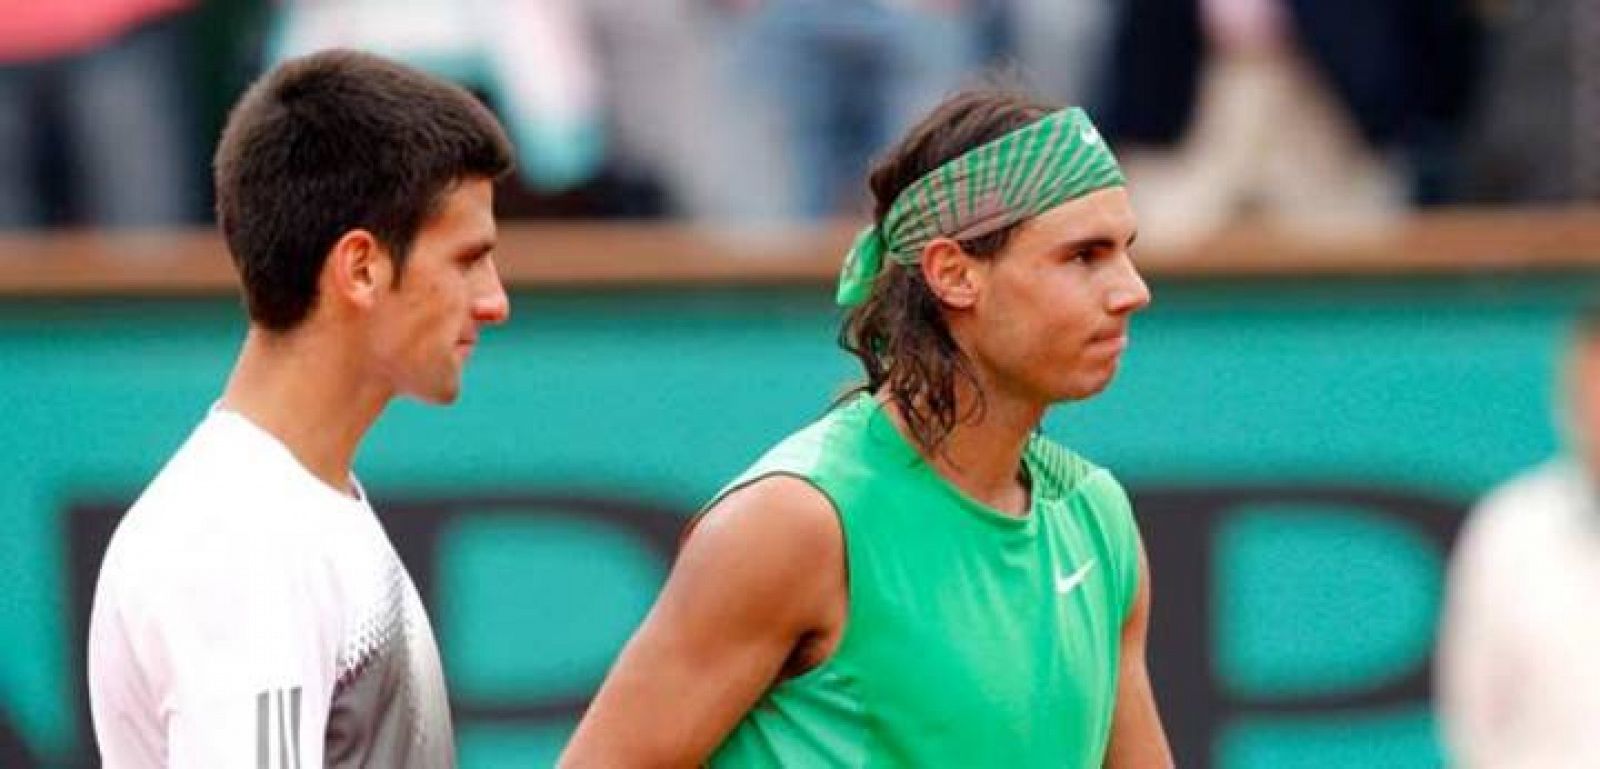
x,y
441,396
1084,390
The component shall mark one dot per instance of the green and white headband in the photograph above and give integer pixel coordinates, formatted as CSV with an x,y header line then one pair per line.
x,y
1010,179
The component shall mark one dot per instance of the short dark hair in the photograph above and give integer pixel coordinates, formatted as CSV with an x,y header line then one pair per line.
x,y
336,141
899,333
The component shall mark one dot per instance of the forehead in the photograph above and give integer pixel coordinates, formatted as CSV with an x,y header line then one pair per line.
x,y
1103,214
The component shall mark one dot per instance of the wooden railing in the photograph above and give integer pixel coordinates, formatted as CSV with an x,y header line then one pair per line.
x,y
649,254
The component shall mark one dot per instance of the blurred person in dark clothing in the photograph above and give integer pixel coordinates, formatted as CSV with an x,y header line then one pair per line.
x,y
100,86
1309,109
1535,137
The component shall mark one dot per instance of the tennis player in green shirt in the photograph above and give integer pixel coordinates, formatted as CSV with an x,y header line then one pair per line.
x,y
920,578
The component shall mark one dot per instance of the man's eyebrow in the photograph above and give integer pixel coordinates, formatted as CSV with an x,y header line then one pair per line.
x,y
479,247
1093,241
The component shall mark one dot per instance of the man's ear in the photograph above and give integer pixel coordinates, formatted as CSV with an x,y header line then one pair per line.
x,y
357,270
951,273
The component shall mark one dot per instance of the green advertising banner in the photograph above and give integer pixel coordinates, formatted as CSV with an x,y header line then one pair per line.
x,y
1300,453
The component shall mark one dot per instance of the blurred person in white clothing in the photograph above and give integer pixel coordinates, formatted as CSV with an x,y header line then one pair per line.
x,y
531,58
1518,672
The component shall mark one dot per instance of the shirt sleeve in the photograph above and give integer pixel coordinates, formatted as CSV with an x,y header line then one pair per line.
x,y
241,653
1476,663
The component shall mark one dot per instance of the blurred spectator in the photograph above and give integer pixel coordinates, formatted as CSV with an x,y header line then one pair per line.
x,y
1536,136
674,120
835,79
1313,111
530,58
1519,682
96,122
617,107
1062,47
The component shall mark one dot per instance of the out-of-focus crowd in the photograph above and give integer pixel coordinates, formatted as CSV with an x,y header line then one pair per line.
x,y
739,111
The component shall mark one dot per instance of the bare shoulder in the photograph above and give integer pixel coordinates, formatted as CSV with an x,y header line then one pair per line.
x,y
751,584
778,507
772,538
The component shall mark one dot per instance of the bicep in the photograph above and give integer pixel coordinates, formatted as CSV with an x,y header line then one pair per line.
x,y
746,588
1138,740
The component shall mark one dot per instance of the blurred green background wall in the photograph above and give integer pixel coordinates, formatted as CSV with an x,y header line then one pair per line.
x,y
1300,452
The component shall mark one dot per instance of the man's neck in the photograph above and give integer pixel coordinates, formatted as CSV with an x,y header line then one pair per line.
x,y
983,457
308,392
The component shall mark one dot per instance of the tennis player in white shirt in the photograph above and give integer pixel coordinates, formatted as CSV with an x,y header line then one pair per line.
x,y
250,610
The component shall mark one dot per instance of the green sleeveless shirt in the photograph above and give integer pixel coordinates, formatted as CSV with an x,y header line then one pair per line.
x,y
973,638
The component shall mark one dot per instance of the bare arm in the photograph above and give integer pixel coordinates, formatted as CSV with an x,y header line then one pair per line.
x,y
1137,739
763,569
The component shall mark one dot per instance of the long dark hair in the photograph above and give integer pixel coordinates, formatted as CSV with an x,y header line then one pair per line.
x,y
899,333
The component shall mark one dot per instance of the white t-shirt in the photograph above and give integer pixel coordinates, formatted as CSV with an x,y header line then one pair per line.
x,y
249,615
1519,650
